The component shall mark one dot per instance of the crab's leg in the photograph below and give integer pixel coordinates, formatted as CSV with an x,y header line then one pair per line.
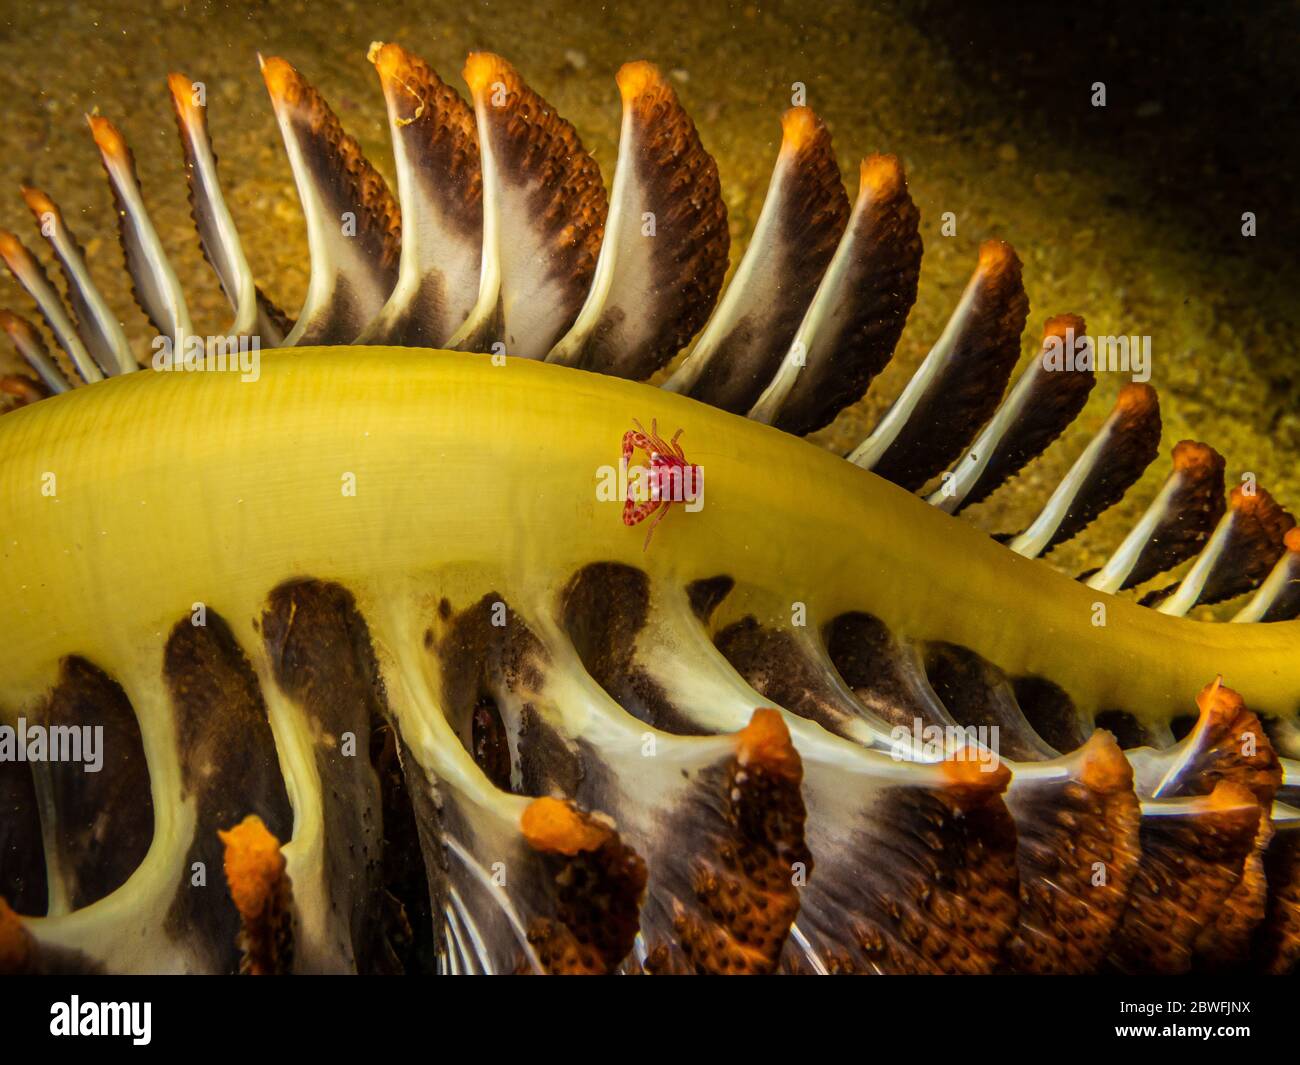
x,y
664,507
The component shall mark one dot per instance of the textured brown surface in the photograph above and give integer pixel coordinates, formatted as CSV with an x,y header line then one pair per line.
x,y
106,819
597,882
536,146
1133,445
742,888
1077,851
1190,865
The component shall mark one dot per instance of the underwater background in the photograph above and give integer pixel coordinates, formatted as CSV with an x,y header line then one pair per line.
x,y
1129,214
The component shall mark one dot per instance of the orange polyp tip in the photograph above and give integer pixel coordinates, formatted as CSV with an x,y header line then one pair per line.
x,y
18,327
636,77
282,80
1060,324
38,202
967,772
253,864
798,126
391,61
1228,795
1243,497
553,826
765,742
1136,397
1192,454
15,943
482,69
1105,769
182,88
1292,539
107,138
881,175
11,248
996,255
1217,702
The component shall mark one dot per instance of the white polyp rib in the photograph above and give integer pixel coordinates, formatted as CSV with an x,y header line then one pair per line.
x,y
1035,539
324,269
51,307
472,930
1115,572
489,281
1282,575
414,211
869,452
569,347
971,466
103,321
735,299
39,360
155,257
1190,587
820,311
239,286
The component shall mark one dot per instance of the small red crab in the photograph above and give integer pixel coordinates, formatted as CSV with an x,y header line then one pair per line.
x,y
671,478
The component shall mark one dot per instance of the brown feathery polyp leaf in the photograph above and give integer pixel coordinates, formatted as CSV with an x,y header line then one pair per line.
x,y
1042,403
961,380
155,284
27,339
29,273
1245,545
435,151
1278,598
801,222
255,315
1175,525
664,252
97,325
1114,458
856,316
543,216
353,222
